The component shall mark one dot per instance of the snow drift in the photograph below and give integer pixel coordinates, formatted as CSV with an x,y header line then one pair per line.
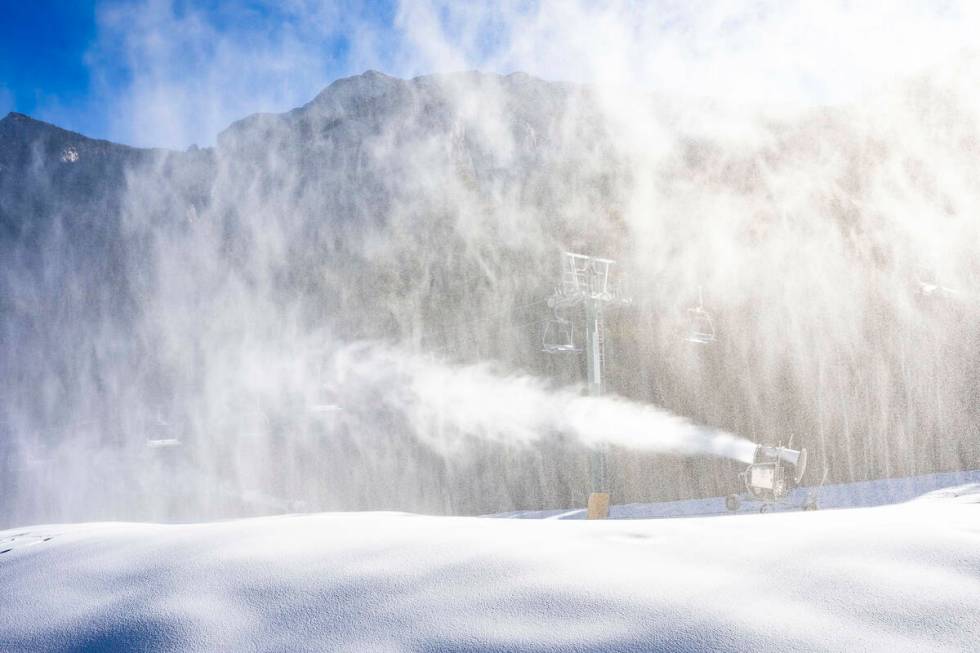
x,y
895,578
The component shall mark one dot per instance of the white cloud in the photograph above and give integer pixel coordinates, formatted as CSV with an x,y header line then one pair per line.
x,y
191,72
792,52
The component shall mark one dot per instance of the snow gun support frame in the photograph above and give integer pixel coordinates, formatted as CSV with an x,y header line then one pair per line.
x,y
773,474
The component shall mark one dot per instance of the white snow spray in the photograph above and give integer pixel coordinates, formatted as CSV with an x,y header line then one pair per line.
x,y
448,406
157,326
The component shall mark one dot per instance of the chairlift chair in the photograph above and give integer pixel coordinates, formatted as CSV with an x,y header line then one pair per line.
x,y
925,281
558,336
702,328
928,284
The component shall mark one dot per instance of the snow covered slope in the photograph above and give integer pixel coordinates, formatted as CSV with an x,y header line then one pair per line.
x,y
863,494
893,578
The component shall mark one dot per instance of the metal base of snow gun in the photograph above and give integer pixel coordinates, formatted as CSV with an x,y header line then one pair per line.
x,y
773,475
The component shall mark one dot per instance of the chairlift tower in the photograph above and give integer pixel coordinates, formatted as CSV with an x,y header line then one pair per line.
x,y
587,283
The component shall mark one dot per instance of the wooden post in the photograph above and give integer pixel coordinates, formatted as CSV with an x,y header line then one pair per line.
x,y
598,506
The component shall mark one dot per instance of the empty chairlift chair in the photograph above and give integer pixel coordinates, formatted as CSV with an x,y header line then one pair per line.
x,y
558,336
927,284
701,328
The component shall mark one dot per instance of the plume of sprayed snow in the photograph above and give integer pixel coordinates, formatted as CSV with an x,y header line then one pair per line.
x,y
448,406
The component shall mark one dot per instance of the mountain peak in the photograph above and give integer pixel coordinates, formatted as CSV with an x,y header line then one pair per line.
x,y
21,122
368,83
14,116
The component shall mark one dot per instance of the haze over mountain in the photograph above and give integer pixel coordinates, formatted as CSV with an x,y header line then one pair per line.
x,y
215,297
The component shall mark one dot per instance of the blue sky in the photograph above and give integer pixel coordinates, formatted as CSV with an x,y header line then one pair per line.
x,y
70,61
173,73
42,47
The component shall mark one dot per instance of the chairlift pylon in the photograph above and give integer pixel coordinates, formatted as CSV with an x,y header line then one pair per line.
x,y
701,327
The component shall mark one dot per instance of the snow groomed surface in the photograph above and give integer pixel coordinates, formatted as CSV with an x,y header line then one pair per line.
x,y
862,494
903,577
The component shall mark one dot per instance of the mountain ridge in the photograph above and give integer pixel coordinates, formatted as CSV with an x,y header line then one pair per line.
x,y
373,82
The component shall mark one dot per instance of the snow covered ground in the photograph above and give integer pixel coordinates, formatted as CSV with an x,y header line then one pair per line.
x,y
902,577
863,494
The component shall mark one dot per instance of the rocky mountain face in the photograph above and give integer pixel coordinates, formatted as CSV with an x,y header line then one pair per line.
x,y
169,319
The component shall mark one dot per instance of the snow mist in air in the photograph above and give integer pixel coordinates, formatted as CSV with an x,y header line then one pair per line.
x,y
448,407
166,322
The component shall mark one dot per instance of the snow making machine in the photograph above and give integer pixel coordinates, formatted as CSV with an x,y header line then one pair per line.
x,y
774,473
